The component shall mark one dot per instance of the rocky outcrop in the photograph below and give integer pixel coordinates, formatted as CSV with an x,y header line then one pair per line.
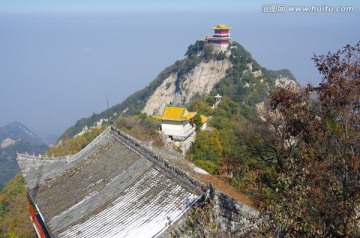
x,y
285,82
257,73
7,142
177,91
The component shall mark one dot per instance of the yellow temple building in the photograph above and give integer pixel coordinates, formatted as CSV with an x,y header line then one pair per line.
x,y
177,122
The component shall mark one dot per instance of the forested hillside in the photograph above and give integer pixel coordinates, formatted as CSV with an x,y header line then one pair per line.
x,y
14,214
299,159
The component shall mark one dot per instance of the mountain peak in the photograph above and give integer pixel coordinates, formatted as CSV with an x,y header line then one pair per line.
x,y
231,72
17,131
22,127
16,137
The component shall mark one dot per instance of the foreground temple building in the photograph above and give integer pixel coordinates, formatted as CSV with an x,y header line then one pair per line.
x,y
110,189
116,187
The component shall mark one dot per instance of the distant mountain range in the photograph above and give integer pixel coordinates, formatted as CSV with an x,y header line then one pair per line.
x,y
19,132
14,138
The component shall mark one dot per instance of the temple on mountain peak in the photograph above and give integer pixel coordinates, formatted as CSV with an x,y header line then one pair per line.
x,y
221,37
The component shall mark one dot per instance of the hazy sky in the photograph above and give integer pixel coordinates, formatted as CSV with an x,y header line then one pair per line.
x,y
61,59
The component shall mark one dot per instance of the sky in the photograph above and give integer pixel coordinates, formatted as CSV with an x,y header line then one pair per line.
x,y
61,60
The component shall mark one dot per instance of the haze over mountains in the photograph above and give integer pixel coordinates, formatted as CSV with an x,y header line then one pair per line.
x,y
69,64
14,138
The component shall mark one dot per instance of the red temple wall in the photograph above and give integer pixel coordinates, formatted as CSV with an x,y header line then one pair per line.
x,y
221,42
35,222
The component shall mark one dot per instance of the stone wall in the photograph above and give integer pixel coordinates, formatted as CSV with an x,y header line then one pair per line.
x,y
233,216
231,219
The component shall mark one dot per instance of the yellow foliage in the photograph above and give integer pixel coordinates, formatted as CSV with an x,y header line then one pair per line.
x,y
14,218
141,127
73,145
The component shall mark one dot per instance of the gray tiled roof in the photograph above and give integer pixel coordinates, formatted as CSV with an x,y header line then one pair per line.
x,y
109,189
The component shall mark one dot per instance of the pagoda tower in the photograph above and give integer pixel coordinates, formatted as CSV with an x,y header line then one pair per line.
x,y
220,39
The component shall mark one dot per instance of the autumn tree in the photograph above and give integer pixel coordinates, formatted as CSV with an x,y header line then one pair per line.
x,y
311,142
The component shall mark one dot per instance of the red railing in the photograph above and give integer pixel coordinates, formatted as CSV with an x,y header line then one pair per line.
x,y
36,223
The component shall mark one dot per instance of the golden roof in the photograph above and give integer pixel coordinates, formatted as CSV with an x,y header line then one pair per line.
x,y
172,113
203,119
190,115
221,27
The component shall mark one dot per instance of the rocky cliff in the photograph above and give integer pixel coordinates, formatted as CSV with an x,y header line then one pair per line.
x,y
198,82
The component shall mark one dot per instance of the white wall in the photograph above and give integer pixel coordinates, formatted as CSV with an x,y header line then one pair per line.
x,y
176,128
172,128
